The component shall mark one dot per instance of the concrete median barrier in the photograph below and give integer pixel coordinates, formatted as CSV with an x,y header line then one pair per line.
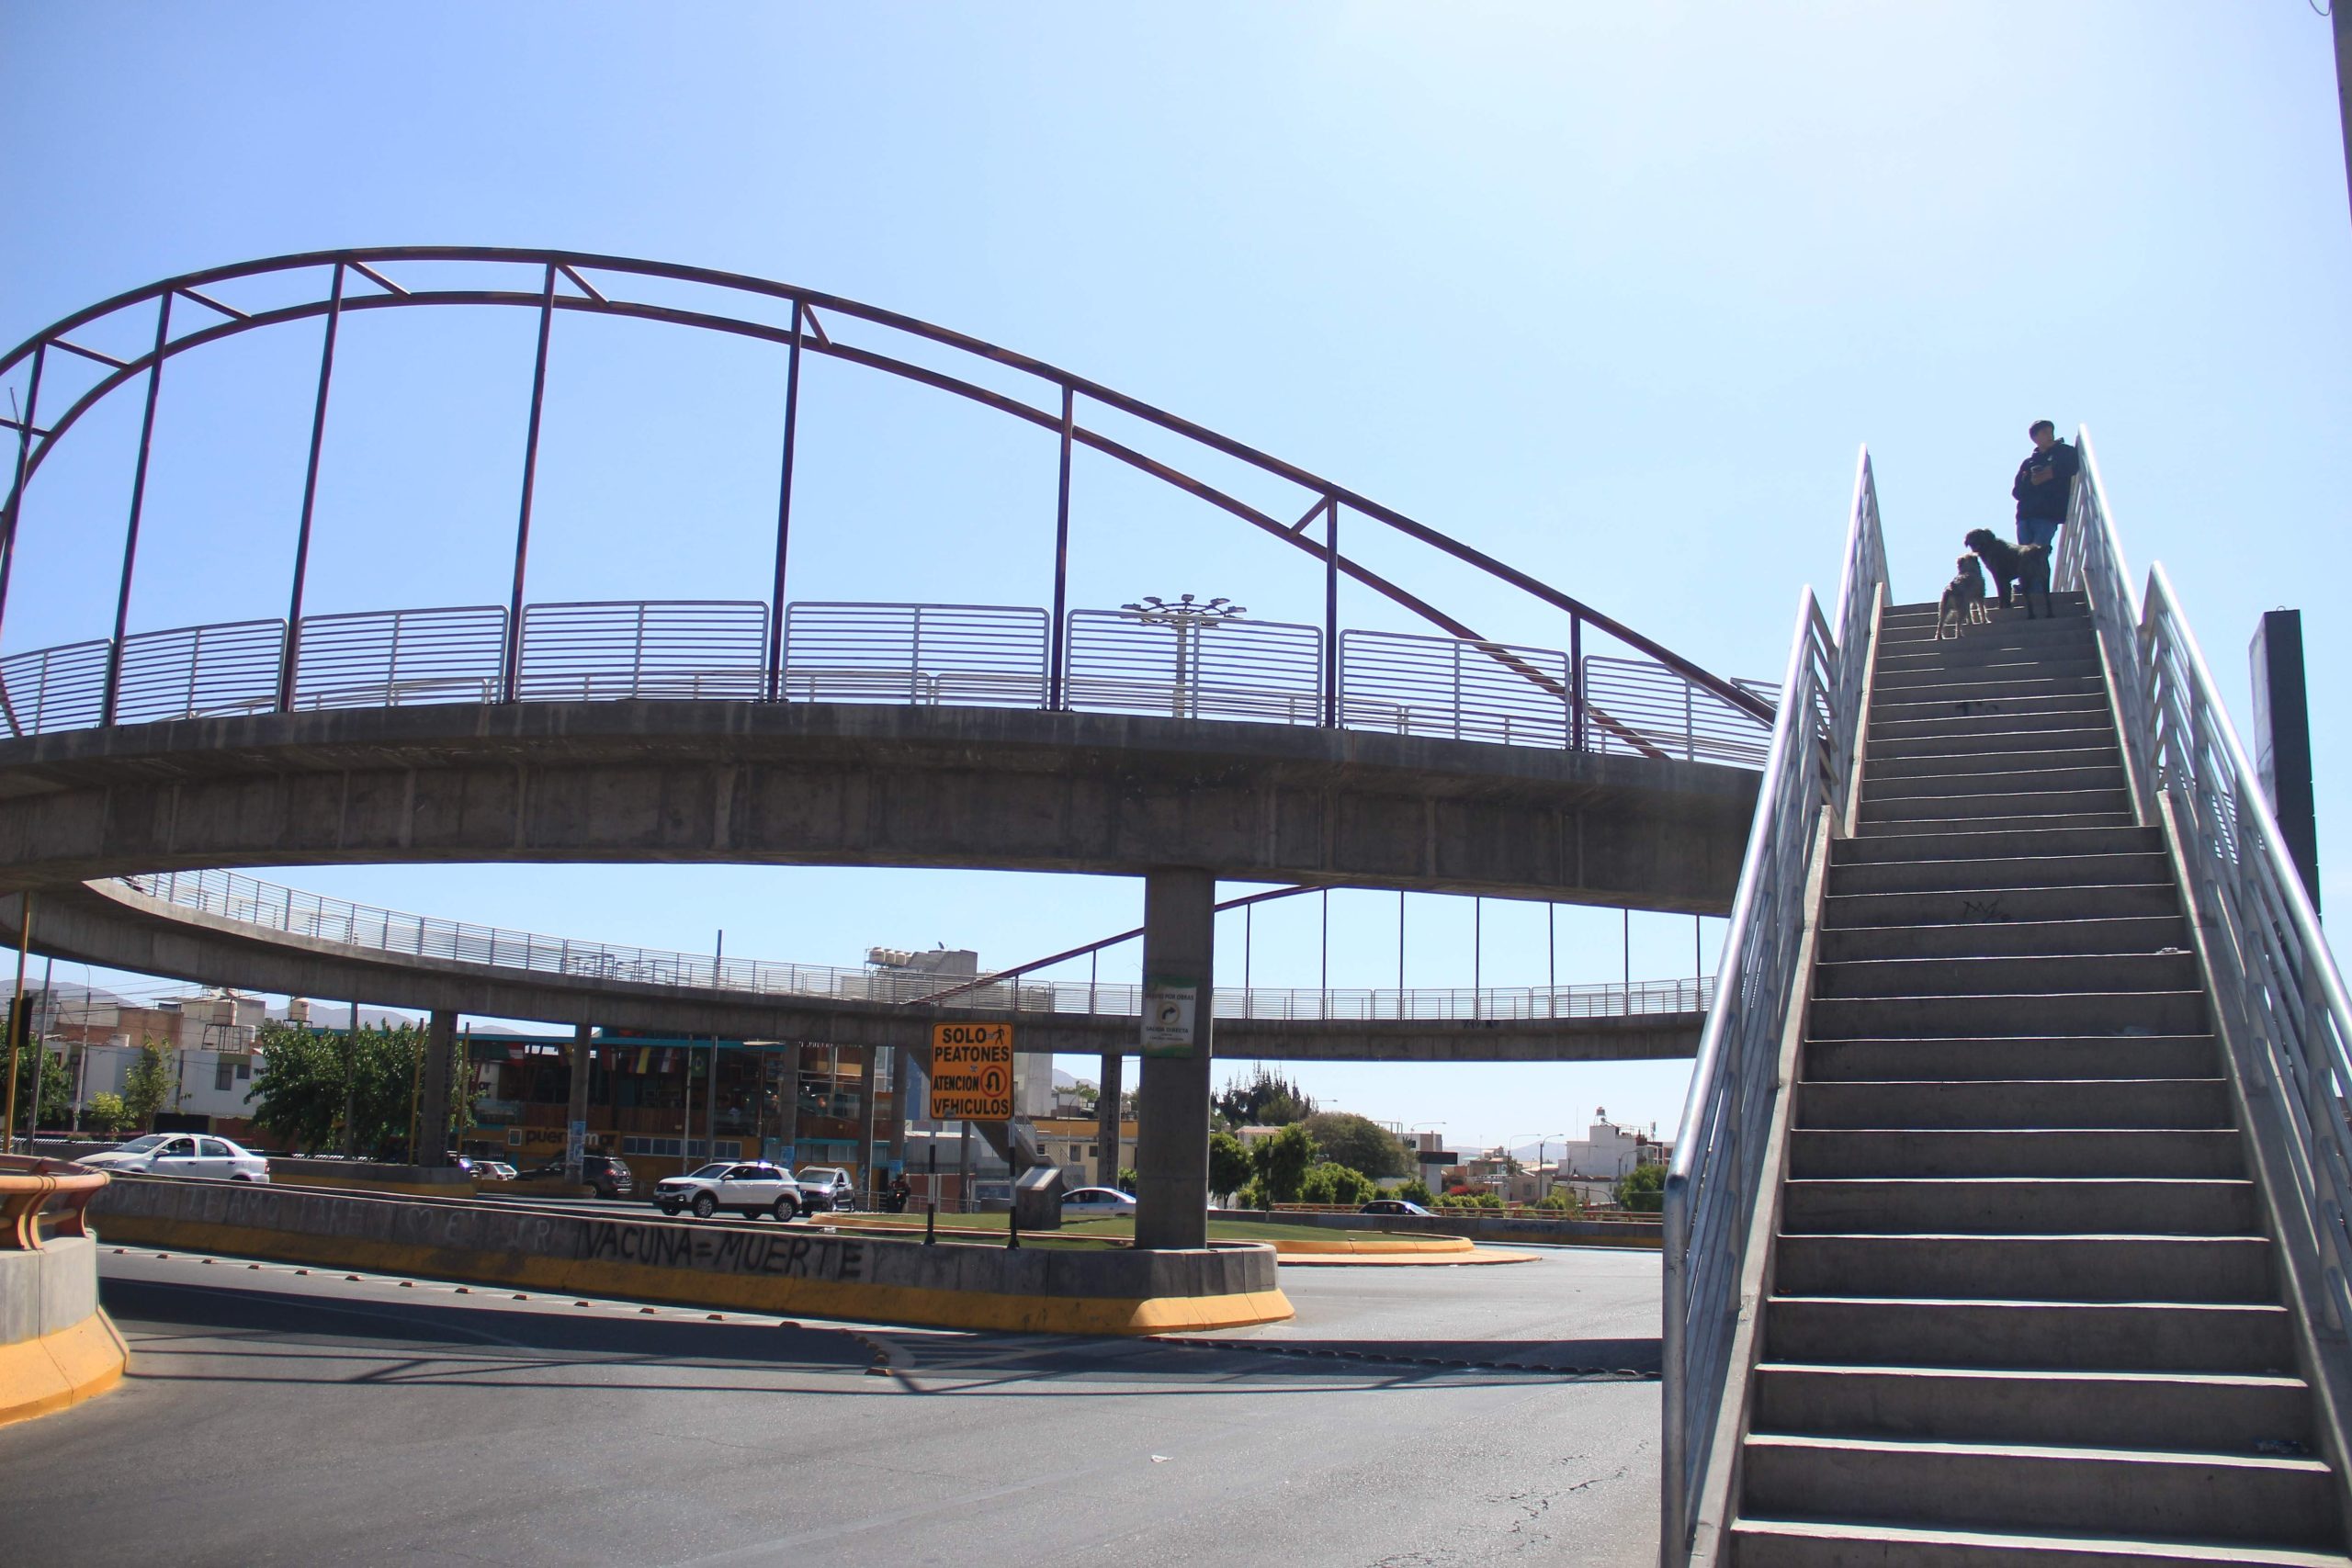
x,y
751,1266
56,1348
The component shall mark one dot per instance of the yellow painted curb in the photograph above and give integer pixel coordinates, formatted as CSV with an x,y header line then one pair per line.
x,y
40,1377
1360,1246
643,1281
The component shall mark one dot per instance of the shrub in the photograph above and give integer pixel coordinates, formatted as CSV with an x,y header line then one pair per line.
x,y
1332,1183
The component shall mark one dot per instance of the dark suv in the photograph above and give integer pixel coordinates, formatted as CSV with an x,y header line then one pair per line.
x,y
608,1175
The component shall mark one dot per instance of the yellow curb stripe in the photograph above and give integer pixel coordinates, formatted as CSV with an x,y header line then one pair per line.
x,y
1373,1246
1435,1261
932,1307
40,1377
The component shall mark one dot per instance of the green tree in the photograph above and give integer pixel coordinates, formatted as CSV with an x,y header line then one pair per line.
x,y
1265,1099
1087,1092
1415,1192
1561,1201
105,1113
42,1078
310,1079
1642,1190
150,1084
1282,1163
1361,1144
1333,1183
1229,1165
1126,1183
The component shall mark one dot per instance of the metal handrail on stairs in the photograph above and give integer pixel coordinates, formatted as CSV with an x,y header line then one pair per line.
x,y
1713,1184
2282,1005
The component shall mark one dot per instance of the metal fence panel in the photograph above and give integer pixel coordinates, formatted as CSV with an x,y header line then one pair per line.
x,y
1640,700
1129,661
393,658
709,648
929,655
230,668
1464,690
54,688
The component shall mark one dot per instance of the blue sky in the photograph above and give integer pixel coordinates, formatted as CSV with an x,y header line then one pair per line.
x,y
1614,292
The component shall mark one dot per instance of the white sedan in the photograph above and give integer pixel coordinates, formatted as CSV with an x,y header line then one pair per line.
x,y
182,1153
1096,1203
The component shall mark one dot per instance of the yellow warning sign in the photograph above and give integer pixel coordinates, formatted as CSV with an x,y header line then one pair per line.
x,y
971,1072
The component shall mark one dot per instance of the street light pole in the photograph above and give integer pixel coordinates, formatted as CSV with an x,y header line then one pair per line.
x,y
1189,619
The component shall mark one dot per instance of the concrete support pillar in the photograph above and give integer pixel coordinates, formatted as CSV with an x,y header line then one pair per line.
x,y
788,1124
432,1096
1172,1131
575,1131
1106,1119
902,1096
870,1192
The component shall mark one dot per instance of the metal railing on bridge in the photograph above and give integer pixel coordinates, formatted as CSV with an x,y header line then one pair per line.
x,y
1718,1167
233,896
2286,1018
921,655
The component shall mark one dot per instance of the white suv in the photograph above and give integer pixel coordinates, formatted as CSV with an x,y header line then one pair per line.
x,y
750,1188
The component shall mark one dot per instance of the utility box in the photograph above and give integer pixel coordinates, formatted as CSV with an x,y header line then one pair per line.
x,y
1037,1198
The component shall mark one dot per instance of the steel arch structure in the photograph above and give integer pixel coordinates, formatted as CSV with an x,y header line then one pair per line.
x,y
329,284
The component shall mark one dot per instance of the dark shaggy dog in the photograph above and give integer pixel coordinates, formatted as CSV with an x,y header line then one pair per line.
x,y
2028,567
1964,600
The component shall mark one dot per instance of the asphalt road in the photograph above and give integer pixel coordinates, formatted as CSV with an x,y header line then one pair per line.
x,y
272,1417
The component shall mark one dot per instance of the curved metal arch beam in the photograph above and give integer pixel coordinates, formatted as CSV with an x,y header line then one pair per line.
x,y
569,262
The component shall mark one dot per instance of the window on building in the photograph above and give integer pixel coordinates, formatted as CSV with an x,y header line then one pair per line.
x,y
224,1071
244,1068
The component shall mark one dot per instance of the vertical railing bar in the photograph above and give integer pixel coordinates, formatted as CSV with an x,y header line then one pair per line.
x,y
513,672
783,506
138,504
290,659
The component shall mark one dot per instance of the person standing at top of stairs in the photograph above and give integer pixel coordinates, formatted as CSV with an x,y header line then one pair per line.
x,y
2045,485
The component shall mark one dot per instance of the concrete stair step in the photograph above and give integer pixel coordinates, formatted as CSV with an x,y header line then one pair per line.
x,y
1959,842
2212,1412
1965,694
1825,1153
1980,1059
1921,616
1988,939
2006,974
2071,1012
2221,1337
2062,661
1949,721
2084,1267
2100,753
1997,1103
1759,1542
1934,827
2021,780
2119,897
2021,1205
2063,801
2248,1497
1979,743
1985,646
1999,873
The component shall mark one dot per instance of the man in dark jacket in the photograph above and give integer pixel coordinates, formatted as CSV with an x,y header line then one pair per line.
x,y
2045,480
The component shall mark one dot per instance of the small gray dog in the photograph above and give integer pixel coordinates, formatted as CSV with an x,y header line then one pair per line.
x,y
1964,600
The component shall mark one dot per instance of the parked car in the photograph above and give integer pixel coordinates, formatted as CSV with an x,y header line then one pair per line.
x,y
1096,1203
751,1187
493,1170
1392,1206
825,1187
608,1176
182,1153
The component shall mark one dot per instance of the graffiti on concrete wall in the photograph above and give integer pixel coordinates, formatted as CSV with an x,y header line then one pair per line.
x,y
722,1251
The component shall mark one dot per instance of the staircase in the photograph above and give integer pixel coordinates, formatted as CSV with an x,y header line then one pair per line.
x,y
2022,1305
